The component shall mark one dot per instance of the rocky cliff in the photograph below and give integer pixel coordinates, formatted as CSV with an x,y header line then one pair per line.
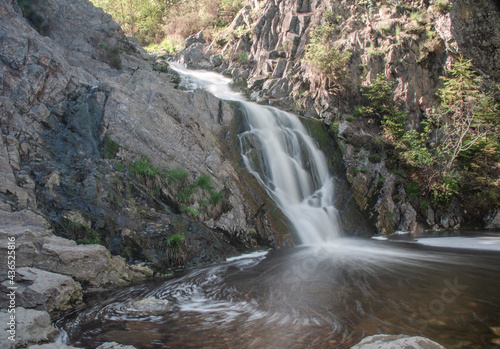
x,y
412,43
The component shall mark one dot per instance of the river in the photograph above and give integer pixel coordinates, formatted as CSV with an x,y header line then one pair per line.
x,y
329,292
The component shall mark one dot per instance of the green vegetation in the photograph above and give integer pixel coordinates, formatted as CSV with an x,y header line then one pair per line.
x,y
175,241
456,150
169,45
110,148
323,55
91,237
243,56
112,54
443,6
149,20
35,19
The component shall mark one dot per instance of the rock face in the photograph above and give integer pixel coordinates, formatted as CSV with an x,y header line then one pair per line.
x,y
411,52
385,341
80,105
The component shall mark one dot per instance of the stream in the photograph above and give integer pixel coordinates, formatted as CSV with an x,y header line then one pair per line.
x,y
329,292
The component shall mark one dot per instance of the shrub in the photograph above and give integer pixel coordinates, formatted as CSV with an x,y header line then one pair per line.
x,y
142,167
110,148
443,6
204,182
324,56
243,56
91,237
175,175
112,54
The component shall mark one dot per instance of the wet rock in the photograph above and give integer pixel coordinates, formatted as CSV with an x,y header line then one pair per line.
x,y
114,345
32,327
408,221
385,341
52,346
493,220
151,305
41,290
216,60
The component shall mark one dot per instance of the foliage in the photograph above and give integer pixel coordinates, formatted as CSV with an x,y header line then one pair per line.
x,y
110,148
243,56
456,150
35,19
149,20
112,54
169,45
91,237
383,106
443,6
142,167
467,115
325,56
175,175
175,241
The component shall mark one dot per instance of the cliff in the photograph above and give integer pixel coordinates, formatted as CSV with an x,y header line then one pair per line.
x,y
320,59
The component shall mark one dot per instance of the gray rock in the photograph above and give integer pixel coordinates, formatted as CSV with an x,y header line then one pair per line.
x,y
32,327
114,345
52,346
37,247
195,38
408,222
216,60
43,290
493,220
151,305
385,341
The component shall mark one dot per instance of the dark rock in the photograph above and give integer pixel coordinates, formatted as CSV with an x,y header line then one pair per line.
x,y
195,38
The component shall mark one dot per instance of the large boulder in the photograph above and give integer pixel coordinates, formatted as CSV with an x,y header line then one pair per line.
x,y
37,247
32,327
42,290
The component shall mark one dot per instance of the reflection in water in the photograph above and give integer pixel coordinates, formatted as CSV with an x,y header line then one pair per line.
x,y
320,297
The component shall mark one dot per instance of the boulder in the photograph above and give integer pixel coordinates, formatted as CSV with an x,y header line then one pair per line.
x,y
114,345
32,327
42,290
37,247
195,38
52,346
385,341
493,220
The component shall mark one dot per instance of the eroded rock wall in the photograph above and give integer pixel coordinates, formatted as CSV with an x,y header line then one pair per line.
x,y
412,43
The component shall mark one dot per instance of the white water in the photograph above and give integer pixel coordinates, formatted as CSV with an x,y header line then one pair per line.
x,y
278,151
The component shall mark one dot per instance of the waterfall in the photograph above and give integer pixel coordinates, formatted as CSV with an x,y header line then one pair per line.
x,y
278,151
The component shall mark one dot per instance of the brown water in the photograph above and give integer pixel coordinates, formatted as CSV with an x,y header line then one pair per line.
x,y
307,297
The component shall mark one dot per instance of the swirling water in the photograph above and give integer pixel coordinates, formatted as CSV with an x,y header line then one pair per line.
x,y
328,293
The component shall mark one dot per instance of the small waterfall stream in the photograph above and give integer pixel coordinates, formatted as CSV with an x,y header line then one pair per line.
x,y
278,151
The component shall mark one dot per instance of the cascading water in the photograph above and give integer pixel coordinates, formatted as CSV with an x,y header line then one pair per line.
x,y
278,151
326,296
